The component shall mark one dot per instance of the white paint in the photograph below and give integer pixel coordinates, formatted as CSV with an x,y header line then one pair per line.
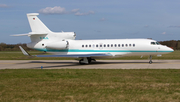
x,y
64,43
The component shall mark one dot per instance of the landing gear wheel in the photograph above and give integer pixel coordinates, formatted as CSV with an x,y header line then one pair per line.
x,y
89,60
80,62
93,60
150,62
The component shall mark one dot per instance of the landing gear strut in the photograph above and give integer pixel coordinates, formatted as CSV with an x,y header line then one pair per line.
x,y
86,60
150,57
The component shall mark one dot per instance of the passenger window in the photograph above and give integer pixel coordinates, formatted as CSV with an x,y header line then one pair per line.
x,y
93,45
122,45
133,45
115,45
129,45
119,45
111,45
104,45
100,45
126,45
42,44
82,45
96,45
86,45
108,45
89,45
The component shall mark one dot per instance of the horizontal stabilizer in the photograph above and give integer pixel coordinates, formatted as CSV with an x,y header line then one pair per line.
x,y
29,34
76,55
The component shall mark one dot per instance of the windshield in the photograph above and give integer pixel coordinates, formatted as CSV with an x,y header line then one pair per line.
x,y
155,43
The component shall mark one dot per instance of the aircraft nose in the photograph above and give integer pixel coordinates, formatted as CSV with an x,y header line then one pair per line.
x,y
170,49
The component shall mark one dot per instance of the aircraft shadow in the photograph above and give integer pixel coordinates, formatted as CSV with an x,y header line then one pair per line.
x,y
74,64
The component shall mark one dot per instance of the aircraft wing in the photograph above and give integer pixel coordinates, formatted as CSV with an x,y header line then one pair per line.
x,y
69,55
77,55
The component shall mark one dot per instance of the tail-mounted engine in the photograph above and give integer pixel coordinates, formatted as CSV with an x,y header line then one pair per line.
x,y
58,45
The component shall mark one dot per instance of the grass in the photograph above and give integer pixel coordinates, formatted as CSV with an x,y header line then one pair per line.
x,y
84,85
17,55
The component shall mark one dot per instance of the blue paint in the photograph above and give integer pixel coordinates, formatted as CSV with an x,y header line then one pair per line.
x,y
77,50
44,38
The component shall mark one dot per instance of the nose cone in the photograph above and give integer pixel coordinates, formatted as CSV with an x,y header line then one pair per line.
x,y
165,50
170,49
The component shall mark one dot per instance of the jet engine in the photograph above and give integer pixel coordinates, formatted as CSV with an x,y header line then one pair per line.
x,y
58,45
64,35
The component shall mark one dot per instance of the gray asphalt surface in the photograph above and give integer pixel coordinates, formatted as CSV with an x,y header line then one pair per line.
x,y
99,64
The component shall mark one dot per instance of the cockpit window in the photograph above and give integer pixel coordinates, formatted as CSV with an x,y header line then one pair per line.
x,y
157,43
153,43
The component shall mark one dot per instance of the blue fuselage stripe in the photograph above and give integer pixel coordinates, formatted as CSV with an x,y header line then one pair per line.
x,y
77,50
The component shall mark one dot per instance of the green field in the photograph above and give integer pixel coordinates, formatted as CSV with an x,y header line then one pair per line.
x,y
84,85
17,55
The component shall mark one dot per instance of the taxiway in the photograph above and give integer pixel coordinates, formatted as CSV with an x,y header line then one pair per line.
x,y
100,64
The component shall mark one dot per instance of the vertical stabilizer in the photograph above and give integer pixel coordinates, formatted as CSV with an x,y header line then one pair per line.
x,y
36,24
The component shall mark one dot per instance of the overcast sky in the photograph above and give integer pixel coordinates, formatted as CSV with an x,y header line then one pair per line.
x,y
93,19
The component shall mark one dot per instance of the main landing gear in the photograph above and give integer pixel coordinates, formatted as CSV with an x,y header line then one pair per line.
x,y
150,57
86,60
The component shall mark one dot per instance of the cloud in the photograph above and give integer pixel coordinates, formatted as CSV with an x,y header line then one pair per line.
x,y
3,6
53,10
102,19
83,14
146,26
74,10
77,13
175,26
163,33
62,10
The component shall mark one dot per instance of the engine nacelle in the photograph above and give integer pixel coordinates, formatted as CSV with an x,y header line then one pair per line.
x,y
58,45
64,35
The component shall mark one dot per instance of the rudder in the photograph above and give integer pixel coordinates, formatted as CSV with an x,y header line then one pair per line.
x,y
36,24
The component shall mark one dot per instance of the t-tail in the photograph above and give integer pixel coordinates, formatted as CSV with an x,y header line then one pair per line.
x,y
37,26
41,36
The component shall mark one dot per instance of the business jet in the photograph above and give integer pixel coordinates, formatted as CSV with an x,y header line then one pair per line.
x,y
63,44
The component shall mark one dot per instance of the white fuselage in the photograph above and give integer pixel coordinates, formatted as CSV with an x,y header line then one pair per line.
x,y
115,47
64,43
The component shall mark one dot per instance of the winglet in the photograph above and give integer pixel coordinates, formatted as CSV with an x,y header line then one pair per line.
x,y
24,52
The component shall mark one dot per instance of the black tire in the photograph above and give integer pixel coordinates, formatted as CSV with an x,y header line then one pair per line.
x,y
150,62
80,62
89,60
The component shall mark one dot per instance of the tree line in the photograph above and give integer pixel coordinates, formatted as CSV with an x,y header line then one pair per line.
x,y
13,47
175,44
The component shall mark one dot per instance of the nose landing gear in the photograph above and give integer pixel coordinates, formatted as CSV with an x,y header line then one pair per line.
x,y
150,57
